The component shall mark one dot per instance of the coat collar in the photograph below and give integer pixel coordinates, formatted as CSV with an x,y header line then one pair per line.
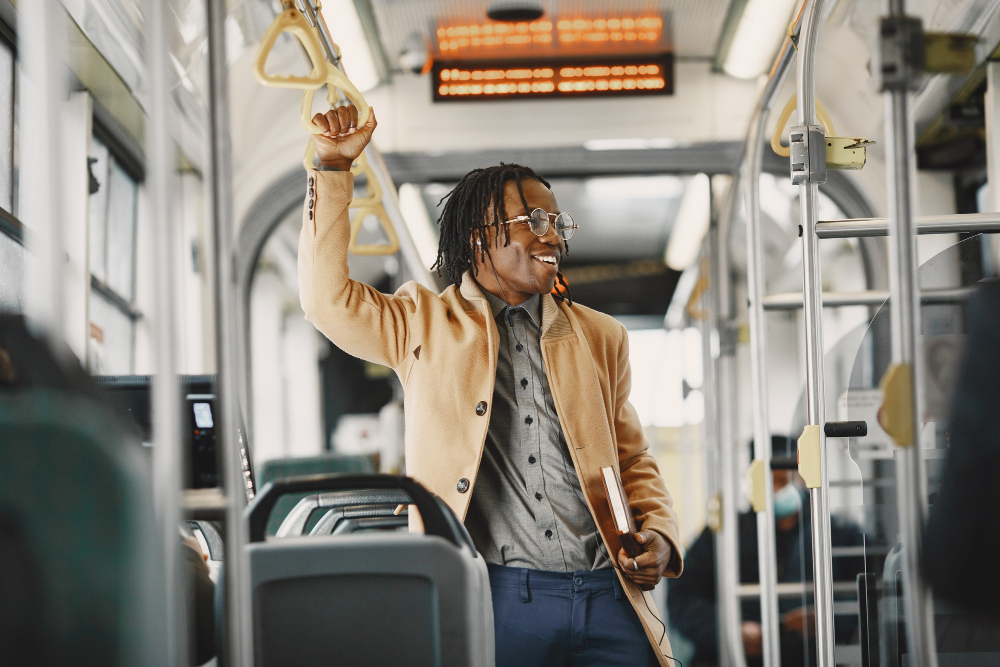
x,y
555,323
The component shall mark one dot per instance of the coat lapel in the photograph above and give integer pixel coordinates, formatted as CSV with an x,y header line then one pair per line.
x,y
575,383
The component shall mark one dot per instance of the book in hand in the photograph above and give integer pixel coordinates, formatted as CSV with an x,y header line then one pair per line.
x,y
621,513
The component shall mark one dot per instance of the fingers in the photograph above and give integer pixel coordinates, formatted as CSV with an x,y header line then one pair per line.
x,y
354,115
370,124
320,121
643,570
333,123
344,116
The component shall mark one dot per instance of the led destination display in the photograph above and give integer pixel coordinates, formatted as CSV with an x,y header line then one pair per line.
x,y
592,77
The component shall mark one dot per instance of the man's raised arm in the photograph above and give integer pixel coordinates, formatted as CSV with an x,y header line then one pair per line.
x,y
356,317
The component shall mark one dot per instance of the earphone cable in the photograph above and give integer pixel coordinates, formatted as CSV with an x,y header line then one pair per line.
x,y
645,602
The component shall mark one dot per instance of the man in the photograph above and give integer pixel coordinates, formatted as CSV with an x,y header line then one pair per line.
x,y
692,600
514,400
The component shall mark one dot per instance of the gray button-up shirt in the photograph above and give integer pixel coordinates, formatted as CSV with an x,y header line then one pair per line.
x,y
527,508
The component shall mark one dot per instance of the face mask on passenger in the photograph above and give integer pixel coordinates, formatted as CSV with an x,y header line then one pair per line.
x,y
786,501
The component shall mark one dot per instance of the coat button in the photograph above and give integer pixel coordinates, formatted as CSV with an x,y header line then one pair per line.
x,y
310,181
463,485
481,408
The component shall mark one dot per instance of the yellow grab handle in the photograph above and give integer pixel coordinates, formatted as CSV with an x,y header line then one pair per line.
x,y
374,195
357,223
779,127
334,78
291,20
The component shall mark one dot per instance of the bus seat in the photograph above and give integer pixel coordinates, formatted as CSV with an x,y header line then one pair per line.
x,y
328,463
340,505
74,503
382,598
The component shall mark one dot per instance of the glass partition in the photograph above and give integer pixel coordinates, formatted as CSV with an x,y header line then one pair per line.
x,y
868,559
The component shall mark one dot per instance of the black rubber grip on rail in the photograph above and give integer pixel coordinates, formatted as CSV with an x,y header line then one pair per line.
x,y
431,512
857,429
784,463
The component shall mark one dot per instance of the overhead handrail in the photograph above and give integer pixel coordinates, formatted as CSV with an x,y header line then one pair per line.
x,y
327,73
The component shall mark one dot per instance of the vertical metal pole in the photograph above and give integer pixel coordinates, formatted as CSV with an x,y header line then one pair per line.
x,y
911,487
813,312
239,639
42,43
766,540
992,100
167,457
710,441
728,551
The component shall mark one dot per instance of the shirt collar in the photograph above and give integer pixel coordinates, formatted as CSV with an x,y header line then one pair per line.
x,y
533,306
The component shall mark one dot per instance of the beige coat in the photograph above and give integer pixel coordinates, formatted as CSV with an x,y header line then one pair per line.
x,y
443,347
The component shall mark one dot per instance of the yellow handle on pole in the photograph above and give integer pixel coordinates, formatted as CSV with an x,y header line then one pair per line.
x,y
360,215
779,127
334,78
325,73
291,20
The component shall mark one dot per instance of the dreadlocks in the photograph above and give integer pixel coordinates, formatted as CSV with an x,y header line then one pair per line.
x,y
474,205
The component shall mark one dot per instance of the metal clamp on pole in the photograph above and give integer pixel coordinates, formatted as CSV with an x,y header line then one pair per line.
x,y
807,154
757,485
901,53
896,416
810,456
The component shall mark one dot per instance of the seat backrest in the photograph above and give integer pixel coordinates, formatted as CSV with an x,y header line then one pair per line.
x,y
339,505
381,598
76,511
307,465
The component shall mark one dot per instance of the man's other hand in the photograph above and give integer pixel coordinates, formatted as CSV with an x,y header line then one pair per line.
x,y
342,141
753,639
647,568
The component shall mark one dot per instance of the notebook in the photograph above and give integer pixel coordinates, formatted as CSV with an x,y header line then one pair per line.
x,y
621,513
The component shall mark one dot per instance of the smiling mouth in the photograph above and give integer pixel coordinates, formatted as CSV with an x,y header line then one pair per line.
x,y
547,260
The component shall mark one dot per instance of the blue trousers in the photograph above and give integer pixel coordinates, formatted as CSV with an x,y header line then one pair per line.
x,y
571,619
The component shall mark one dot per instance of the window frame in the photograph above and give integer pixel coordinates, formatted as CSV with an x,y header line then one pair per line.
x,y
123,155
10,224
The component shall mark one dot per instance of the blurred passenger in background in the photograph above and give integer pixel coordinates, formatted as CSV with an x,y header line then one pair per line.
x,y
963,531
691,599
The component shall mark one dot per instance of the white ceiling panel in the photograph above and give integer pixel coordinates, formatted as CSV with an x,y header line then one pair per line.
x,y
691,27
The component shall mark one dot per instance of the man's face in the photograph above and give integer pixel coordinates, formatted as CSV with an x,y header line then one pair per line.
x,y
519,266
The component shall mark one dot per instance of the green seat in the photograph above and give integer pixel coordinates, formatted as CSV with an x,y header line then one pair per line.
x,y
311,465
77,522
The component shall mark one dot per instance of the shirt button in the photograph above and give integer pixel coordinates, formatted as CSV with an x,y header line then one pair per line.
x,y
524,382
528,420
548,534
463,485
531,459
481,408
538,496
519,347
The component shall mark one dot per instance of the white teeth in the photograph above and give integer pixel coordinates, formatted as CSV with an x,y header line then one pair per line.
x,y
547,260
